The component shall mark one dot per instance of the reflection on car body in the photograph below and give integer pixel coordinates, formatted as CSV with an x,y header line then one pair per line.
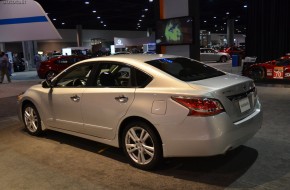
x,y
48,69
153,106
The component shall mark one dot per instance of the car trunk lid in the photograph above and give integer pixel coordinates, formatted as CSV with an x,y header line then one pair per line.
x,y
236,93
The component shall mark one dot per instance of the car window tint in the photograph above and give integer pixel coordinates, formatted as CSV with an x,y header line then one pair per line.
x,y
142,79
283,62
113,75
185,69
75,77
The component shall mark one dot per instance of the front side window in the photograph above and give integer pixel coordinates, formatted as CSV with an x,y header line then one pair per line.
x,y
185,69
75,77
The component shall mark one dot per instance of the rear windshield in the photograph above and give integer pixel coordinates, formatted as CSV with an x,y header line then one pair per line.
x,y
185,69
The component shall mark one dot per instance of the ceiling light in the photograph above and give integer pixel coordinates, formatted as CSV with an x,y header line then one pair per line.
x,y
140,20
236,20
245,6
204,21
63,23
98,17
101,22
150,1
143,16
214,17
145,9
94,11
87,2
105,25
54,19
227,13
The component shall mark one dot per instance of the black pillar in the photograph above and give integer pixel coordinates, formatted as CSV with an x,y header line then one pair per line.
x,y
230,32
194,11
268,31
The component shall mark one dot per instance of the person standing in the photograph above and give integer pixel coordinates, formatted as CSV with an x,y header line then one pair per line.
x,y
4,67
37,61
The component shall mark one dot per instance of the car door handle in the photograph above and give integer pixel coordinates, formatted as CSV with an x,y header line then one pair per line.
x,y
75,98
122,99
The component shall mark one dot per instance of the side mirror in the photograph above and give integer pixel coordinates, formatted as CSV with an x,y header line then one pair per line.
x,y
46,84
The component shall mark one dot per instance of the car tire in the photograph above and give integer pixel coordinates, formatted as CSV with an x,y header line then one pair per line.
x,y
257,74
32,120
141,145
223,59
49,75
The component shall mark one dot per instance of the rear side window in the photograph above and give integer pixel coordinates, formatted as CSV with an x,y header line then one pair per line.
x,y
142,79
185,69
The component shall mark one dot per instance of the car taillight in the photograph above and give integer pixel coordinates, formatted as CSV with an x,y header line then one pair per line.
x,y
200,106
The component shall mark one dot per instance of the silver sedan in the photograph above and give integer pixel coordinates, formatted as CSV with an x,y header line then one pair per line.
x,y
208,54
153,106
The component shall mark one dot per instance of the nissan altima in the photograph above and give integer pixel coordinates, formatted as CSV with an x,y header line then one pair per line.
x,y
152,106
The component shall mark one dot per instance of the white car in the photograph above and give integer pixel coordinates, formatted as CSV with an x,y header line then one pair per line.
x,y
153,106
208,54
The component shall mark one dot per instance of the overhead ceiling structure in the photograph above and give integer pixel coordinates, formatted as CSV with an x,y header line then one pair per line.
x,y
138,14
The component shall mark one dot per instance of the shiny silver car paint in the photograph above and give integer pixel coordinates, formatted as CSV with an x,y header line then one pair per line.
x,y
208,54
99,117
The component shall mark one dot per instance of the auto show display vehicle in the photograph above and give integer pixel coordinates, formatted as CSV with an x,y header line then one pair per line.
x,y
275,69
234,51
208,54
152,106
48,69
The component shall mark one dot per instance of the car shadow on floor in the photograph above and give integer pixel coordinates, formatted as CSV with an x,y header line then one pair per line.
x,y
220,170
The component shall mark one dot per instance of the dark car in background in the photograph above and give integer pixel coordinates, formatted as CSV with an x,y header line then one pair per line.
x,y
18,64
48,69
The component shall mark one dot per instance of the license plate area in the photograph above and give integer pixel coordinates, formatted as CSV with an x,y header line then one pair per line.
x,y
244,104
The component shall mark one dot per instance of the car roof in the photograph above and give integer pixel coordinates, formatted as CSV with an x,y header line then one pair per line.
x,y
135,57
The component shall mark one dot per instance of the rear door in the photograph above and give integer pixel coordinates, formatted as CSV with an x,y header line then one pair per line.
x,y
108,99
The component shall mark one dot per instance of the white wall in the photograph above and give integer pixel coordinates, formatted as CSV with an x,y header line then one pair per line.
x,y
240,38
70,35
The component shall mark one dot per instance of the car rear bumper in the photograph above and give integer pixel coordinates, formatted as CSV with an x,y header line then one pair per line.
x,y
210,136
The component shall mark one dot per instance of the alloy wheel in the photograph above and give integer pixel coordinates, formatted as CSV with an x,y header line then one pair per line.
x,y
31,119
139,145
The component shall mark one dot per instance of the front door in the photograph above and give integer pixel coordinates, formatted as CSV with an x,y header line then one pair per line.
x,y
65,98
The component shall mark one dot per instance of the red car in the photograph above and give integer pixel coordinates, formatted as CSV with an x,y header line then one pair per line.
x,y
276,69
234,51
48,69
